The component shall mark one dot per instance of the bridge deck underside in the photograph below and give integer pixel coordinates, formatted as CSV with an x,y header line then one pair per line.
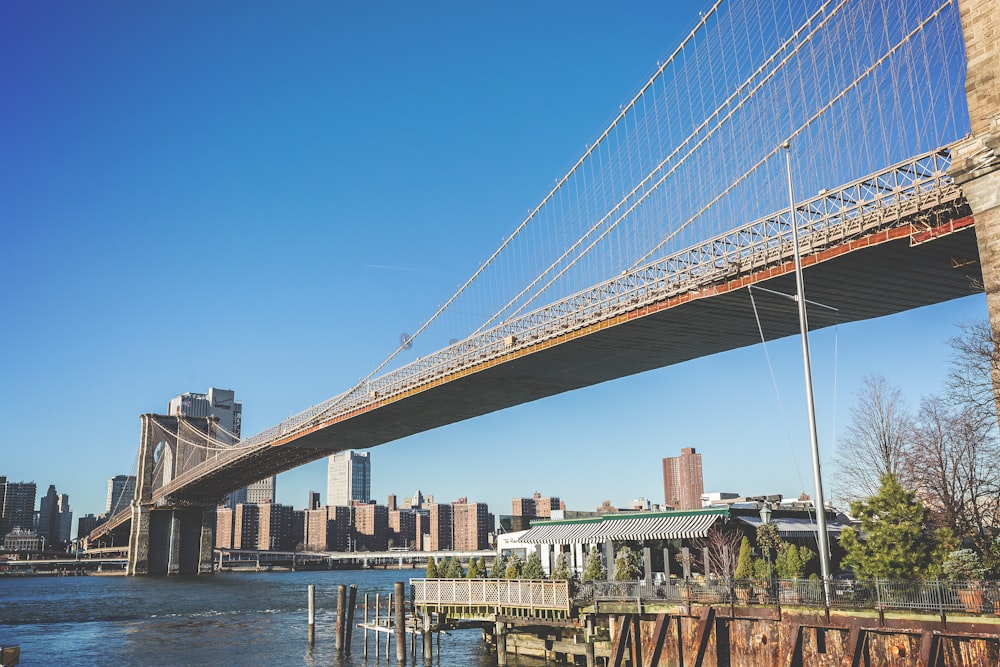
x,y
867,282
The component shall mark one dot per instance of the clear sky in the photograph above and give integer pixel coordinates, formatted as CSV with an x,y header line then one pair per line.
x,y
263,196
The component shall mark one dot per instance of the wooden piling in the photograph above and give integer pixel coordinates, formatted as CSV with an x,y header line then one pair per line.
x,y
377,622
341,612
388,623
428,640
352,601
501,644
365,633
400,623
312,614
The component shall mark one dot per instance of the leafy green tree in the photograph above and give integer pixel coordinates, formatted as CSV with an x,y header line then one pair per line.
x,y
562,571
768,541
432,571
627,564
451,569
533,568
898,541
473,571
593,568
744,564
482,566
499,568
963,565
514,567
792,560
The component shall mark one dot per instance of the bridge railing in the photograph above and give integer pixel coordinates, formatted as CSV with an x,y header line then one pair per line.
x,y
880,200
889,198
495,593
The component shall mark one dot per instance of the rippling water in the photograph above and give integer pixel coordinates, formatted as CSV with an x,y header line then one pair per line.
x,y
221,619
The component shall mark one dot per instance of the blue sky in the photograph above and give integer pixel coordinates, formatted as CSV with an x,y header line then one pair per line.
x,y
263,197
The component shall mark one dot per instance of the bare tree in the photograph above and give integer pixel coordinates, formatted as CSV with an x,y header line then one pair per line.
x,y
876,442
956,469
974,378
723,549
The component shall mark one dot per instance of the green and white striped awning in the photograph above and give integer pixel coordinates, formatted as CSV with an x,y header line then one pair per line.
x,y
637,527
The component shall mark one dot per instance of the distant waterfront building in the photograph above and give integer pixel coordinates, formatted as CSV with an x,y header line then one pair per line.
x,y
441,520
523,510
371,527
84,525
222,404
349,478
17,505
718,498
274,532
682,480
402,528
318,529
21,539
121,492
472,526
224,527
246,526
313,501
55,519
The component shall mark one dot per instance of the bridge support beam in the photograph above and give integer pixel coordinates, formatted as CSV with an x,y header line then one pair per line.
x,y
976,160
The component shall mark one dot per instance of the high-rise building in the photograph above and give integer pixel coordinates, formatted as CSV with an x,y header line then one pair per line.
x,y
682,480
275,527
84,525
224,527
402,529
222,404
472,526
313,502
441,522
349,478
246,526
121,492
536,506
319,529
371,527
17,509
55,519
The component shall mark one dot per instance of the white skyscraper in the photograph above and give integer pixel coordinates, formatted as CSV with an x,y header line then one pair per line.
x,y
348,478
222,404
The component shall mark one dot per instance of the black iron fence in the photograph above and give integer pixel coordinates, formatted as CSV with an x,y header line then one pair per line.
x,y
929,596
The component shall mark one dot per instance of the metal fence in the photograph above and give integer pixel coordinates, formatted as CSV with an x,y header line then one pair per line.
x,y
930,596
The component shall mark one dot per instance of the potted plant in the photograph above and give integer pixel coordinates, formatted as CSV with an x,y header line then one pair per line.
x,y
965,567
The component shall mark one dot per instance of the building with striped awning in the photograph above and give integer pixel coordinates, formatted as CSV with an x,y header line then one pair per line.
x,y
576,537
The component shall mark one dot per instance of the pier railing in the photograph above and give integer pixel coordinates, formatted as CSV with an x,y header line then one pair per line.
x,y
498,595
930,595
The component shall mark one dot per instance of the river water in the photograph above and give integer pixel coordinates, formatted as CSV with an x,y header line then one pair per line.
x,y
219,619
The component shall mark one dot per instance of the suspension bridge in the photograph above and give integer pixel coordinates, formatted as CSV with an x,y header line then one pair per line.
x,y
670,238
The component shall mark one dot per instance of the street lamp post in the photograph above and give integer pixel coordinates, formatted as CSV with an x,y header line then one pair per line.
x,y
765,518
819,503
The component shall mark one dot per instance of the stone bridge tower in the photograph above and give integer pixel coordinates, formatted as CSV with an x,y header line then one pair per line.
x,y
172,539
976,160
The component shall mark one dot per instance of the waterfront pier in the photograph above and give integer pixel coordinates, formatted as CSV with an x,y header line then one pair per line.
x,y
681,622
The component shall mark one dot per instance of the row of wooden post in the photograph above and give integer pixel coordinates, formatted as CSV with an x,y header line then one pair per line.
x,y
346,603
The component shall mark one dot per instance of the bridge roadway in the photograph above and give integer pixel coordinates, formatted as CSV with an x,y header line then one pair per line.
x,y
897,240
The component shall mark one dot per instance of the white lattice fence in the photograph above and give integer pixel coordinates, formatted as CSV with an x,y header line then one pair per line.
x,y
491,593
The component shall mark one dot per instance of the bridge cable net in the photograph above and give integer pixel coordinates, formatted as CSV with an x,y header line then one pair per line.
x,y
860,87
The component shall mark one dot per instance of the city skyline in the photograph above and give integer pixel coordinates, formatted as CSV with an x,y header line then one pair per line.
x,y
188,167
